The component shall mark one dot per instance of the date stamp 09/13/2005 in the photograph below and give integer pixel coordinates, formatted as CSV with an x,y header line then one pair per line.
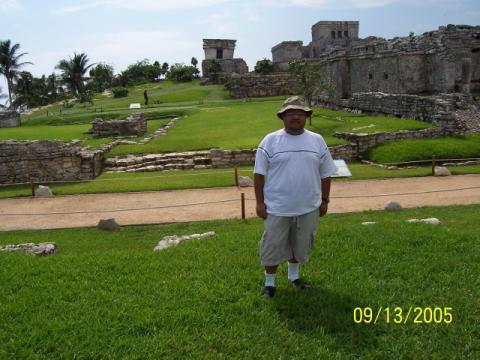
x,y
398,315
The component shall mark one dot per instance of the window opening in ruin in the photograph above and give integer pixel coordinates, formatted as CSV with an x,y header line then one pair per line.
x,y
333,34
385,76
345,33
219,53
475,50
339,34
370,76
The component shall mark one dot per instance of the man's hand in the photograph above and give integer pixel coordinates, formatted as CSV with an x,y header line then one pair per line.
x,y
262,211
323,208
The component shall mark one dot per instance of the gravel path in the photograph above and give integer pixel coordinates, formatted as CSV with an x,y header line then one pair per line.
x,y
168,206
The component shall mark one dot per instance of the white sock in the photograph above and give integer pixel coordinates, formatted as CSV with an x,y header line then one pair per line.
x,y
293,271
270,279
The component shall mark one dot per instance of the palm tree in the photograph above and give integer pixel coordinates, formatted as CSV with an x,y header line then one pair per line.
x,y
9,64
73,72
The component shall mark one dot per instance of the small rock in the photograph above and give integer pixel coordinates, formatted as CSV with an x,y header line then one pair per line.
x,y
244,181
441,171
431,221
369,222
171,240
43,191
40,249
108,225
393,206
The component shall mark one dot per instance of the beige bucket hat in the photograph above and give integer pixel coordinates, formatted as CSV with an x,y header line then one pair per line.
x,y
294,102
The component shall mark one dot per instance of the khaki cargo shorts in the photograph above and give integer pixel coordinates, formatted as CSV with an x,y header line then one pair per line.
x,y
287,237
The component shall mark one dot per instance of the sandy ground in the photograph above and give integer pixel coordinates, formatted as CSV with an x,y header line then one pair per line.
x,y
194,205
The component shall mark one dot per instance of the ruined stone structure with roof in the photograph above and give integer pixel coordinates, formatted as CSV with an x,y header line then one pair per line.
x,y
221,51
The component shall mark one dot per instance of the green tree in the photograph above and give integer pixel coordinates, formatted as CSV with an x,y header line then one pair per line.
x,y
140,73
311,79
264,66
10,64
165,67
102,77
73,73
182,72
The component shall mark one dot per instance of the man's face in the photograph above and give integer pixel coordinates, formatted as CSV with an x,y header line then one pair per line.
x,y
294,120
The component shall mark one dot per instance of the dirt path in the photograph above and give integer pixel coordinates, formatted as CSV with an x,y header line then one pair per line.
x,y
156,207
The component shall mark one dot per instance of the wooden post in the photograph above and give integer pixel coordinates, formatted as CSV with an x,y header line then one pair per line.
x,y
433,165
243,206
32,186
236,176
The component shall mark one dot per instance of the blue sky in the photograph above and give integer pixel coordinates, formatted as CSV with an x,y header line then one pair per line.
x,y
120,32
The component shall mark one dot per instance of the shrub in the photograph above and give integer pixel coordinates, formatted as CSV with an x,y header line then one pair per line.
x,y
182,72
264,67
119,91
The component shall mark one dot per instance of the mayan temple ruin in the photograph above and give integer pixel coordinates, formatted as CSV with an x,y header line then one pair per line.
x,y
433,77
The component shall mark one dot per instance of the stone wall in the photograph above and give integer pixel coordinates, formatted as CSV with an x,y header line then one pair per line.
x,y
443,109
227,66
43,161
136,124
206,159
9,119
256,85
363,142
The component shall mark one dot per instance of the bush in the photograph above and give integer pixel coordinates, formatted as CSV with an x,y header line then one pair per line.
x,y
264,67
119,91
182,72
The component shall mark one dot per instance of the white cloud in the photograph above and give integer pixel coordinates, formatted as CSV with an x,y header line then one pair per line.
x,y
139,5
8,5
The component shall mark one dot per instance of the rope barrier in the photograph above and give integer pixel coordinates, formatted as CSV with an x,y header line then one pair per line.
x,y
118,210
228,200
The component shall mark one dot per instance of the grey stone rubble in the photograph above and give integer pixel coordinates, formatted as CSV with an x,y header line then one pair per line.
x,y
168,241
441,171
135,124
42,191
47,248
393,206
108,225
160,132
9,119
431,221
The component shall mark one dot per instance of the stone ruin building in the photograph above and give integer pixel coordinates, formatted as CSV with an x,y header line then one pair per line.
x,y
134,125
446,60
432,77
9,119
221,50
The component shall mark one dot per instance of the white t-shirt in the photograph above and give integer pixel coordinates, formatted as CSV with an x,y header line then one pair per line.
x,y
294,166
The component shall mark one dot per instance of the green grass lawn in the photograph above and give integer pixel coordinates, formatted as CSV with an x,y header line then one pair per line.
x,y
458,147
242,125
108,295
69,132
205,178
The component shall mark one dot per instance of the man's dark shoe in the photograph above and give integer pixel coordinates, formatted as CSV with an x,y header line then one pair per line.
x,y
300,284
269,291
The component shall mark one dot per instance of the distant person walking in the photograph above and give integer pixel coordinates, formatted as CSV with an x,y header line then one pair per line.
x,y
145,96
292,188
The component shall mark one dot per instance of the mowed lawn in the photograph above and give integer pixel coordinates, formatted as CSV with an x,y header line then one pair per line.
x,y
242,125
108,295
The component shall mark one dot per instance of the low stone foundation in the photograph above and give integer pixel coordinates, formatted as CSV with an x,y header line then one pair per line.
x,y
9,119
202,159
445,110
367,141
44,161
256,85
134,125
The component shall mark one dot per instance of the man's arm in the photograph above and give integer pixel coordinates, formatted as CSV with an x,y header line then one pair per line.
x,y
259,182
325,195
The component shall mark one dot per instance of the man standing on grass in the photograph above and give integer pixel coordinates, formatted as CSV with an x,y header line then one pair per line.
x,y
297,166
